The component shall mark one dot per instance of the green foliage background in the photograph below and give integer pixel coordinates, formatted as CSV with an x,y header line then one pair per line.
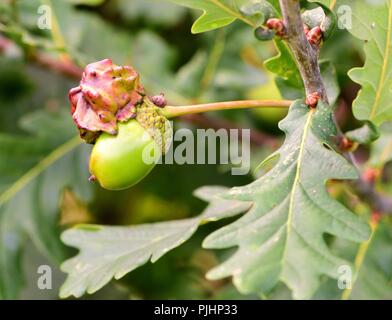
x,y
39,155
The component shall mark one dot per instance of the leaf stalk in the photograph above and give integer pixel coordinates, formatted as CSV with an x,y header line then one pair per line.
x,y
172,112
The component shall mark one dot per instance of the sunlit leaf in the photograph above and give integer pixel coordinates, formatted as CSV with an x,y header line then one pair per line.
x,y
220,13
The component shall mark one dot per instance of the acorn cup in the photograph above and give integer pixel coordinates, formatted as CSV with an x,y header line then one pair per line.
x,y
128,131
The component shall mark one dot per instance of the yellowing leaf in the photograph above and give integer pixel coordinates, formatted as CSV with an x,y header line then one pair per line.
x,y
220,13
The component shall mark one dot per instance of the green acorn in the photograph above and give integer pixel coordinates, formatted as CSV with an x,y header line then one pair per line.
x,y
128,131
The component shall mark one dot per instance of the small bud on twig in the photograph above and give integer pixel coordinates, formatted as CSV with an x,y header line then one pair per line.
x,y
376,217
159,100
345,144
277,25
370,175
312,100
315,36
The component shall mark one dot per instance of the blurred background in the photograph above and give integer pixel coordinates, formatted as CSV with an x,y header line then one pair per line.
x,y
37,69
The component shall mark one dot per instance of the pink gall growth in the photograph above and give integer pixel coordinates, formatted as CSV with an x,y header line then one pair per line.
x,y
106,94
312,100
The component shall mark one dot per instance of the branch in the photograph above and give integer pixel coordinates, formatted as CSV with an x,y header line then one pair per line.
x,y
307,61
64,66
305,54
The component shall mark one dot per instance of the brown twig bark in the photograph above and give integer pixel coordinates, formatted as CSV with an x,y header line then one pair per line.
x,y
305,54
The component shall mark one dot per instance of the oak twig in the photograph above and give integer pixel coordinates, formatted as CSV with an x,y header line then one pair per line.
x,y
305,54
307,61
